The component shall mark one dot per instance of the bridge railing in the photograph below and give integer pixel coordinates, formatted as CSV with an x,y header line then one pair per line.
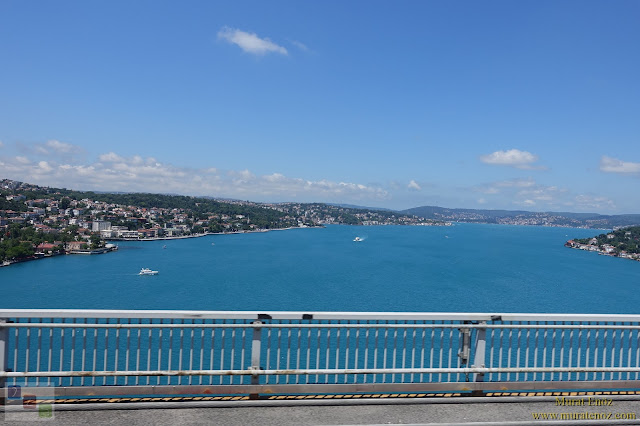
x,y
84,352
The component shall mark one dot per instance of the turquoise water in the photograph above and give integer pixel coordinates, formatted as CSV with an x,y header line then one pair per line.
x,y
464,268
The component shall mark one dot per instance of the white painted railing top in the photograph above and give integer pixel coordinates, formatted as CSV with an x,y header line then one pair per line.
x,y
292,315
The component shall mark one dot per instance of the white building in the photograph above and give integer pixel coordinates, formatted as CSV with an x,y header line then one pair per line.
x,y
100,225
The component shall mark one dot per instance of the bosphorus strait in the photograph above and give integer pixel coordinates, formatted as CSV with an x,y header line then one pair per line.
x,y
462,268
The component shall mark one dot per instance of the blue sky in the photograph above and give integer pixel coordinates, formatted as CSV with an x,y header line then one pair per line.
x,y
477,104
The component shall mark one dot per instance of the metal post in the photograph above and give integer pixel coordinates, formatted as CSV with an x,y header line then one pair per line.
x,y
4,355
255,356
479,356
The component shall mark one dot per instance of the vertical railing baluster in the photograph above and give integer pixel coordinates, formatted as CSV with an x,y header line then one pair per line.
x,y
16,344
376,349
38,355
595,355
170,356
298,353
268,379
192,330
570,351
518,350
509,350
553,351
356,354
562,334
621,333
637,352
150,338
212,357
308,364
630,345
4,350
536,350
73,352
117,351
27,347
346,356
450,359
422,354
432,350
441,351
160,346
232,358
202,329
501,353
288,377
61,367
335,377
326,376
404,352
127,353
278,360
318,335
527,339
394,354
587,352
95,351
413,351
181,350
384,354
105,353
211,338
222,351
138,350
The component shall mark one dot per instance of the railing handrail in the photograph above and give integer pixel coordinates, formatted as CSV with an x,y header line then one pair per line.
x,y
308,315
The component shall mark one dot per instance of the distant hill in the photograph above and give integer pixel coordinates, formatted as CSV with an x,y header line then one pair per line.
x,y
353,206
523,217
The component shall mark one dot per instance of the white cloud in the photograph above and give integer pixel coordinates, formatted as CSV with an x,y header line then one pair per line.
x,y
499,187
299,45
583,201
44,166
613,165
526,192
1,144
250,42
60,147
52,149
414,185
112,172
513,158
111,157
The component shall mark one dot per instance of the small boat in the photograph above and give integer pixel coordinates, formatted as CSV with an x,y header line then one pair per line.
x,y
164,246
358,239
147,271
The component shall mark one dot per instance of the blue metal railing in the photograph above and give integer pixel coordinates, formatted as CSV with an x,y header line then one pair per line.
x,y
195,351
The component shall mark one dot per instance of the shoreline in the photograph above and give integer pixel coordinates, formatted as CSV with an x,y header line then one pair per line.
x,y
601,252
182,237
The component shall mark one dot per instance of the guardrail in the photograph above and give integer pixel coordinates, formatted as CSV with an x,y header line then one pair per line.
x,y
92,352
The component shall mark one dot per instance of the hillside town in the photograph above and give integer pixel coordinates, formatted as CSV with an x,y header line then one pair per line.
x,y
38,222
623,243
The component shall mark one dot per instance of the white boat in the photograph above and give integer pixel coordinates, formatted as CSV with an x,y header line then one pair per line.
x,y
147,271
358,239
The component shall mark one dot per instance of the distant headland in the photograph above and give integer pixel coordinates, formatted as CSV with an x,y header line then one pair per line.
x,y
623,243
